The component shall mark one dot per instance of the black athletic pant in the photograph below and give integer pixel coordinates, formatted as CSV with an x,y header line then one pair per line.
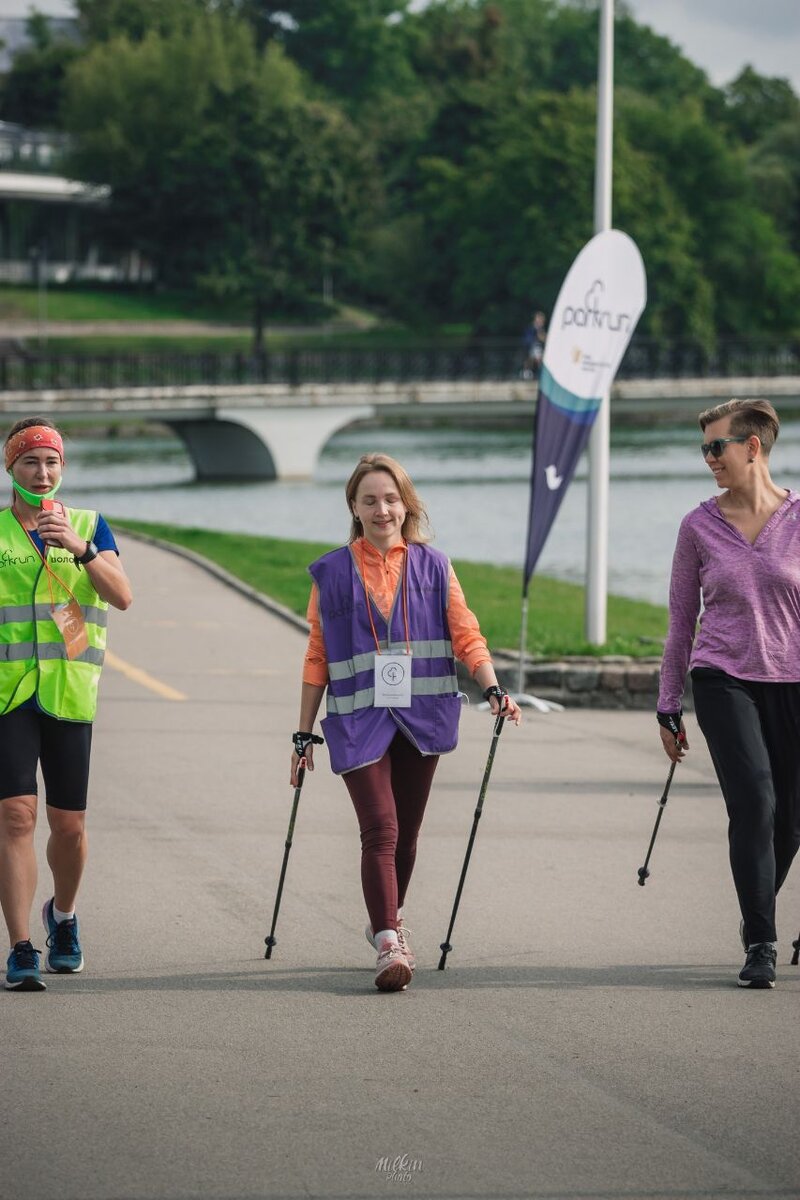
x,y
753,735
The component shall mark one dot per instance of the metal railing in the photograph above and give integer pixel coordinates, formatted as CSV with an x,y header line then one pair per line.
x,y
487,360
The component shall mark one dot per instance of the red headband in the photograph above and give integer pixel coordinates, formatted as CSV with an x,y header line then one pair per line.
x,y
33,437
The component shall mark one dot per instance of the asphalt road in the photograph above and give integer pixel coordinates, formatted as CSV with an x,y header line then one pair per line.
x,y
587,1039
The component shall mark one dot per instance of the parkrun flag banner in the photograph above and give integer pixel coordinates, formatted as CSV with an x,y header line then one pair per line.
x,y
596,312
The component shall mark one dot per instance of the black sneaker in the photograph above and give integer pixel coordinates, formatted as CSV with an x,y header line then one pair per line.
x,y
759,968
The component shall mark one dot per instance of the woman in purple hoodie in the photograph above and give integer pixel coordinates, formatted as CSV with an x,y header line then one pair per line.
x,y
738,555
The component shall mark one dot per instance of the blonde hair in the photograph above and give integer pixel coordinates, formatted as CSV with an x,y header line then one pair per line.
x,y
749,418
415,527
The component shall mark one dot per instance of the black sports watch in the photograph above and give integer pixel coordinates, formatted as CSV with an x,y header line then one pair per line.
x,y
89,553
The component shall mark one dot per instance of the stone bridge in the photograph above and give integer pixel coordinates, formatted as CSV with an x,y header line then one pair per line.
x,y
277,430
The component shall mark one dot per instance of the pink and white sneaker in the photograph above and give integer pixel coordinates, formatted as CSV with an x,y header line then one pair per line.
x,y
405,945
402,937
392,972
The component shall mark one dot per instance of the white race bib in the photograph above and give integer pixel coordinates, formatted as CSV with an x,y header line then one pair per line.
x,y
392,680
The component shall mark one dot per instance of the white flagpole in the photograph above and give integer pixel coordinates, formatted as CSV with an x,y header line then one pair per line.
x,y
599,439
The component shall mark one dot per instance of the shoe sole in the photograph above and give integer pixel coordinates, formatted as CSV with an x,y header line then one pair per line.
x,y
56,970
759,985
29,984
393,978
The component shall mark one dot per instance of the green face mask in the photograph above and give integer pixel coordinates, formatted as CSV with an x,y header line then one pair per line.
x,y
35,498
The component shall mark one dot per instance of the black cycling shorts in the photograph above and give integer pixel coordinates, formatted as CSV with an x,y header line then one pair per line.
x,y
28,737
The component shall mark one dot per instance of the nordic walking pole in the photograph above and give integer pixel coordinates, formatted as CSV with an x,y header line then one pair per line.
x,y
498,727
662,804
270,940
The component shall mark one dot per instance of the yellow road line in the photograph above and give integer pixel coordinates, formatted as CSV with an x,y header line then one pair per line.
x,y
137,675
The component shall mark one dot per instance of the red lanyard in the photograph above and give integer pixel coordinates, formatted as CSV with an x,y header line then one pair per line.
x,y
48,569
404,597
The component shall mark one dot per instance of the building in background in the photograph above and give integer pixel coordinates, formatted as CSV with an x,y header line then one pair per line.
x,y
52,228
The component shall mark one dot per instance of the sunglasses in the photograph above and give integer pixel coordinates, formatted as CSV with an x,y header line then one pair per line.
x,y
716,447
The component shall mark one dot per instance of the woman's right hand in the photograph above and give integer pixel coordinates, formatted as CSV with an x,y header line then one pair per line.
x,y
674,748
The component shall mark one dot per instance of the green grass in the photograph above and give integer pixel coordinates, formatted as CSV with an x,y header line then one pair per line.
x,y
107,304
210,343
359,328
79,303
145,344
382,337
277,567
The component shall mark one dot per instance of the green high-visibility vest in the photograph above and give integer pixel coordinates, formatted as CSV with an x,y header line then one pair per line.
x,y
33,657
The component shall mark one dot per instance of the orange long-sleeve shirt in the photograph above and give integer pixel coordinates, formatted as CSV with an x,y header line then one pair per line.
x,y
382,576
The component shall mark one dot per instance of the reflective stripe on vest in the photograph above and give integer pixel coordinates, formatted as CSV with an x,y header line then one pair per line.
x,y
41,612
363,662
437,685
32,652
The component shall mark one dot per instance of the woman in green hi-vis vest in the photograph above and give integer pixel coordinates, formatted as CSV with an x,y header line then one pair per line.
x,y
59,571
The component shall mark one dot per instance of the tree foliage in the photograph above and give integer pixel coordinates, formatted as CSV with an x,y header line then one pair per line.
x,y
223,172
32,90
440,159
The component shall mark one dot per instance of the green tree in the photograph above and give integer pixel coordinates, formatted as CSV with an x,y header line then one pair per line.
x,y
735,244
32,90
223,173
756,104
102,20
774,171
354,49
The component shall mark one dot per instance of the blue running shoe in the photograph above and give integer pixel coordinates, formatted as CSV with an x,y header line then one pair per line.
x,y
64,956
22,972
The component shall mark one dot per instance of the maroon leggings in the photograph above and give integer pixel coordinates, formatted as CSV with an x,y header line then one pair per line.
x,y
389,797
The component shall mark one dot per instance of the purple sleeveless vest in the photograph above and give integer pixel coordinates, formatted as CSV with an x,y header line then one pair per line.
x,y
357,733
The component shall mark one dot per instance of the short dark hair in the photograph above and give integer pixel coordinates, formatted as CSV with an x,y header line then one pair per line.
x,y
748,418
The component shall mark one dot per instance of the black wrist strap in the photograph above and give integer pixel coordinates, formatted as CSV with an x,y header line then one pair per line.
x,y
90,553
498,692
670,721
303,740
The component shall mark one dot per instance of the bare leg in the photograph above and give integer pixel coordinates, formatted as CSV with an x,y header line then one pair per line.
x,y
18,874
67,849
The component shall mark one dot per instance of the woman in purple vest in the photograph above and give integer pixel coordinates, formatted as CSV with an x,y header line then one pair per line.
x,y
740,554
387,619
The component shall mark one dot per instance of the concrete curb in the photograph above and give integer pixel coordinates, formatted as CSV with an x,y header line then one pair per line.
x,y
613,681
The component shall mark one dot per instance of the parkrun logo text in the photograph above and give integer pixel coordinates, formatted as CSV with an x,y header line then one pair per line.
x,y
592,316
7,559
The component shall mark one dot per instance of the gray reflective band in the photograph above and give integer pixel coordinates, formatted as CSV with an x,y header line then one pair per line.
x,y
41,612
348,667
16,652
91,614
15,612
58,650
439,685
